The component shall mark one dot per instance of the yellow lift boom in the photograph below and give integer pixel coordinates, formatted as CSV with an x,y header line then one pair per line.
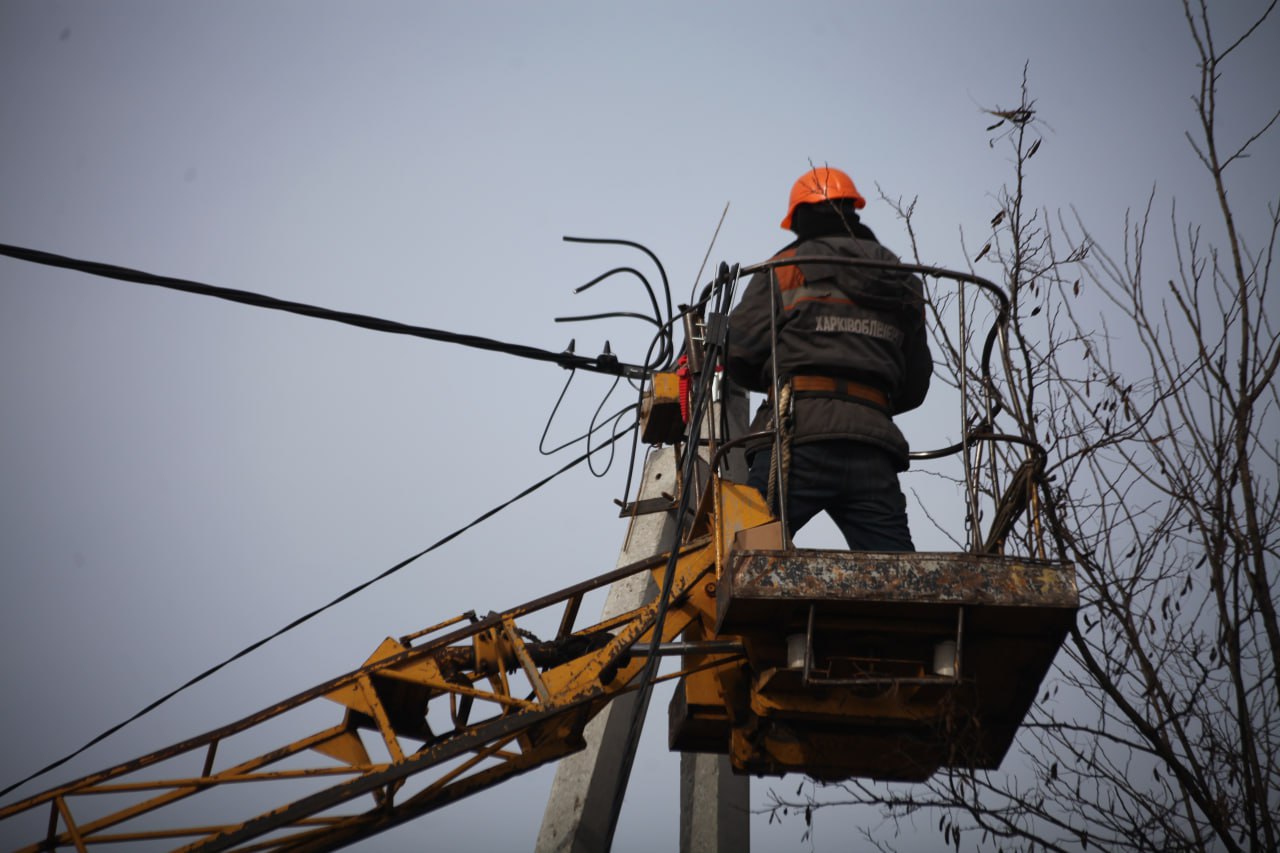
x,y
464,705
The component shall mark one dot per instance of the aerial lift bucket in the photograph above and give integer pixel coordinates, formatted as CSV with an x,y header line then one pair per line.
x,y
859,664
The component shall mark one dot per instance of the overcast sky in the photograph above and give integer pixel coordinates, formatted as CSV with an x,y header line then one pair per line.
x,y
182,476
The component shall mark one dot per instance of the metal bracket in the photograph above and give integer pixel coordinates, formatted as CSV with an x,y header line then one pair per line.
x,y
810,680
646,506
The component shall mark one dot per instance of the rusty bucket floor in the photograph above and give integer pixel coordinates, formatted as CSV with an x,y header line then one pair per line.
x,y
873,622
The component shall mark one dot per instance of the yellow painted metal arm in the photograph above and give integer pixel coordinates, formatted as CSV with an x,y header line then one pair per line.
x,y
428,719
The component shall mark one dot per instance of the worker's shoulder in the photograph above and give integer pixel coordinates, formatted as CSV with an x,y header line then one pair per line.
x,y
847,245
788,251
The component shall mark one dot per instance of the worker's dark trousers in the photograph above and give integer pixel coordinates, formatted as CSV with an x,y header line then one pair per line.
x,y
855,483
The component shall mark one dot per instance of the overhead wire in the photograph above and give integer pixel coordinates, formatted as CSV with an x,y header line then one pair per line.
x,y
551,419
662,271
660,351
667,330
306,617
612,315
633,454
590,465
653,299
659,355
605,363
639,389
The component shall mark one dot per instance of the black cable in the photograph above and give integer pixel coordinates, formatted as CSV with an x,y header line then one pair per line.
x,y
656,319
308,616
611,315
596,425
662,271
551,418
635,445
662,343
699,398
653,299
664,334
609,365
591,467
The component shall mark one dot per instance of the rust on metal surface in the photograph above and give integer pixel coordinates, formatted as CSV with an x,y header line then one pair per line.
x,y
534,716
660,417
768,585
865,703
869,700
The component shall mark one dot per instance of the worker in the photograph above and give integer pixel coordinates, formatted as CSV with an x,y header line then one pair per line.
x,y
852,353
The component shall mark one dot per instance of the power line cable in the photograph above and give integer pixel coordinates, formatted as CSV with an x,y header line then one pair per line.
x,y
316,612
605,363
662,271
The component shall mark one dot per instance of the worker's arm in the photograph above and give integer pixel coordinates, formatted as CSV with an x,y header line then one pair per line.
x,y
749,339
918,368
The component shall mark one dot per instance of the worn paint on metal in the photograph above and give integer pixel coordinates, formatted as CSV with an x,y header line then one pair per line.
x,y
533,717
931,577
773,586
538,714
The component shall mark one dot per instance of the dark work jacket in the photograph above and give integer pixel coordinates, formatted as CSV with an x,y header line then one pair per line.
x,y
855,323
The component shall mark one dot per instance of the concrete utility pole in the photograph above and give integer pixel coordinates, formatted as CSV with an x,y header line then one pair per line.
x,y
714,802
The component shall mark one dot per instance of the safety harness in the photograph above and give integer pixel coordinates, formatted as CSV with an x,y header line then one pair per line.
x,y
833,387
825,386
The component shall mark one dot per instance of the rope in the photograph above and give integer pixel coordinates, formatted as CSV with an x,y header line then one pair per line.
x,y
780,468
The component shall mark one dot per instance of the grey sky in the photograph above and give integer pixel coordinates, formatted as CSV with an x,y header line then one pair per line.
x,y
182,476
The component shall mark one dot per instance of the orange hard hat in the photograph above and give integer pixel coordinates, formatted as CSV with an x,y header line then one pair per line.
x,y
822,184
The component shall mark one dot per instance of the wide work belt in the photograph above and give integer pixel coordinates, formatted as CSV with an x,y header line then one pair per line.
x,y
840,388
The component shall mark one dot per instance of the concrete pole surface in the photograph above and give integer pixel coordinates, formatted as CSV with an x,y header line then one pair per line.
x,y
714,802
715,805
578,809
